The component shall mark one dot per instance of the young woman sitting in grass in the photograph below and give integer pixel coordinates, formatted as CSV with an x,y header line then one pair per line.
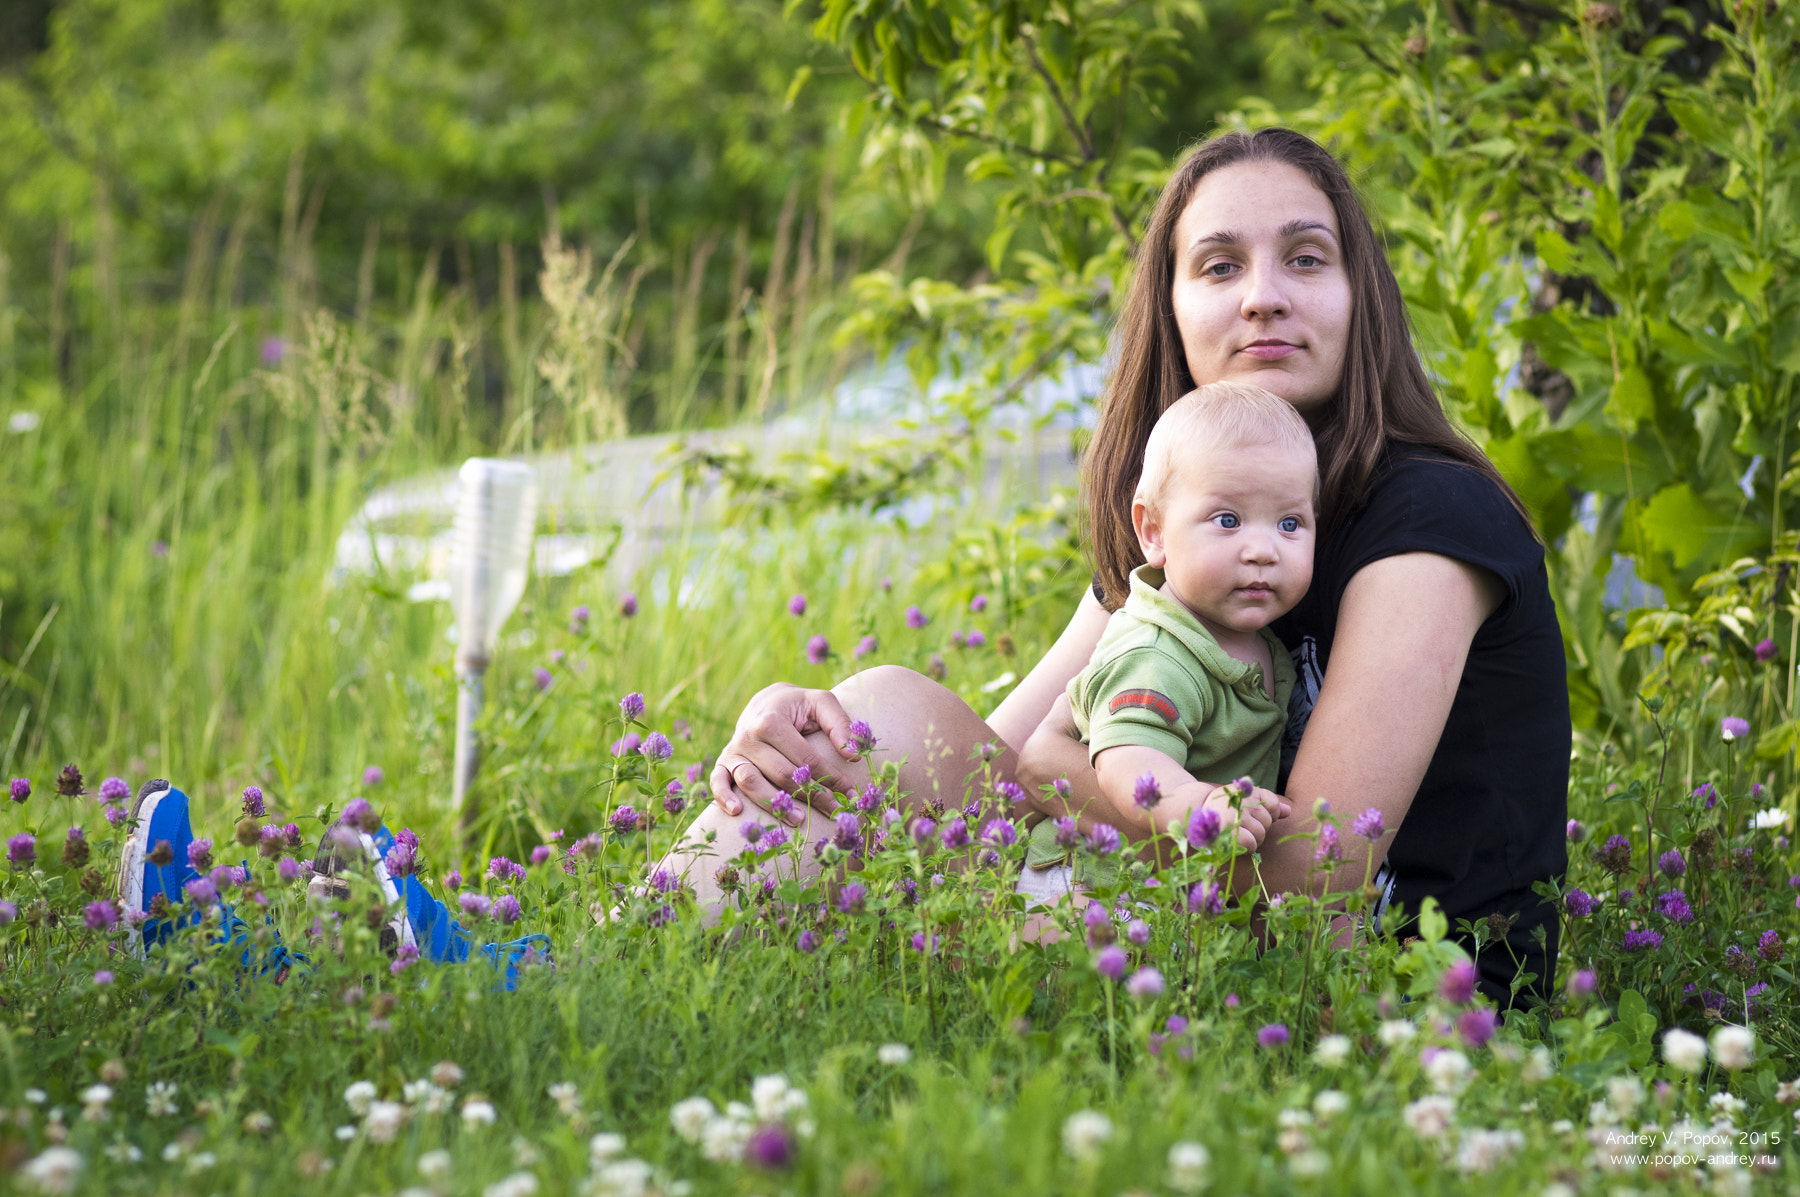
x,y
1430,702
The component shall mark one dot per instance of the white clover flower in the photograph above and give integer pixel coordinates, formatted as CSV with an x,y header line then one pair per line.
x,y
446,1075
358,1096
1726,1104
1624,1094
1188,1166
122,1152
437,1101
893,1054
38,1097
1291,1116
1787,1092
476,1112
1309,1164
55,1171
1292,1140
525,1153
1539,1065
1562,1126
1482,1149
383,1121
804,1127
622,1178
739,1111
1084,1134
689,1117
159,1100
258,1122
1683,1050
346,1132
519,1184
93,1102
1602,1114
567,1098
1729,1180
1430,1117
722,1139
414,1091
200,1161
1768,820
768,1094
171,1152
1332,1050
1329,1103
1733,1047
604,1146
1396,1031
1448,1071
435,1165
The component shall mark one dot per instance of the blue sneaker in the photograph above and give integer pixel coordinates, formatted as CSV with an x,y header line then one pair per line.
x,y
344,848
154,863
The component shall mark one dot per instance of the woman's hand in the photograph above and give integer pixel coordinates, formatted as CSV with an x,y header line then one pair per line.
x,y
771,741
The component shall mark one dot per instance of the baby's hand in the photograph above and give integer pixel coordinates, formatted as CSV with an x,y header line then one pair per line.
x,y
1259,812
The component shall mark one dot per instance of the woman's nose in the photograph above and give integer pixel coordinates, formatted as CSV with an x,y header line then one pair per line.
x,y
1264,298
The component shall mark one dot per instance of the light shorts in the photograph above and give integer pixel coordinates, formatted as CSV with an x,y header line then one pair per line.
x,y
1049,885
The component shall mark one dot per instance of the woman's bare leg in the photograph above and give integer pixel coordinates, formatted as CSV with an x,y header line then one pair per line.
x,y
935,734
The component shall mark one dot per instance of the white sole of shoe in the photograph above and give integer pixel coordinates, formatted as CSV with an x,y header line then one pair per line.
x,y
131,868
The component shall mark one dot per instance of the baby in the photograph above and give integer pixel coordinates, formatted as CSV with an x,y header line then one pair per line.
x,y
1188,683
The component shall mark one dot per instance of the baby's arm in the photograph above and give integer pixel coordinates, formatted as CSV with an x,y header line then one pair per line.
x,y
1123,767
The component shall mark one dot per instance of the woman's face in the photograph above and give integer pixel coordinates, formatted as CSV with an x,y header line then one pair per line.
x,y
1261,295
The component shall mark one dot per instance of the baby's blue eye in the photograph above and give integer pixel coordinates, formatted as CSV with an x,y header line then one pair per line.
x,y
1290,524
1227,520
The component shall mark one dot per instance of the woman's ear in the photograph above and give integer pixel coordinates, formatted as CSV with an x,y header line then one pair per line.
x,y
1148,526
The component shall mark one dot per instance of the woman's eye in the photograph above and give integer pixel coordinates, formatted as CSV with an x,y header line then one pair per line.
x,y
1226,520
1216,269
1307,262
1290,524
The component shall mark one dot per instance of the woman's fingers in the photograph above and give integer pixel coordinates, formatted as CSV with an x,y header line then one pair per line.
x,y
771,743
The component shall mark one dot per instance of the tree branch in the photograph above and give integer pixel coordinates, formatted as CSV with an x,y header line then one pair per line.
x,y
1074,126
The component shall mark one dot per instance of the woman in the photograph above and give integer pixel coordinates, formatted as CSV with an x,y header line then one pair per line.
x,y
1432,676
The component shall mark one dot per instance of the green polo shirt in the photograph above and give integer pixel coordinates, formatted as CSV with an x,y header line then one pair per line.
x,y
1159,680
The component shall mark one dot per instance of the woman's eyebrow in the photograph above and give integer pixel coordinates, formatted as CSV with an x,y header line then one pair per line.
x,y
1227,237
1303,225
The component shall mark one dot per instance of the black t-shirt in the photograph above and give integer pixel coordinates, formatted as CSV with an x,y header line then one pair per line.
x,y
1488,819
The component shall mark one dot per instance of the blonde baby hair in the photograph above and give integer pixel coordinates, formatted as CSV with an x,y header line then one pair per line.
x,y
1219,415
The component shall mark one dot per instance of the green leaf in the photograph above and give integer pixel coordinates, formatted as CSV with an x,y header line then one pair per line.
x,y
1432,924
1680,523
1632,401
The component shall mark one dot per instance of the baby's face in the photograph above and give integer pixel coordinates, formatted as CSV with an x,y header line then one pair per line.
x,y
1234,535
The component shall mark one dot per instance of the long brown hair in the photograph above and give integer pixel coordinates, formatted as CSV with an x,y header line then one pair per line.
x,y
1384,397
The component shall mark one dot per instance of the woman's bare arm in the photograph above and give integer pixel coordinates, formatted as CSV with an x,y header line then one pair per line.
x,y
1403,633
1020,712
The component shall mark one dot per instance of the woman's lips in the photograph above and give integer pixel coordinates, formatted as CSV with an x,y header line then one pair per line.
x,y
1269,351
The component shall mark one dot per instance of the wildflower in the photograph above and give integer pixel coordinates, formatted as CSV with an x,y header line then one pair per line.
x,y
1332,1050
975,639
1769,946
477,1113
1641,941
1430,1117
1673,905
955,834
56,1170
808,943
1146,793
797,605
202,892
1103,840
1188,1165
21,789
923,829
817,650
1732,728
1580,903
657,747
1067,836
114,815
475,905
289,869
1457,985
999,832
1273,1035
359,1096
1476,1027
1582,983
851,897
1482,1149
773,838
1369,824
628,604
69,783
865,646
1203,828
1145,983
373,776
159,1100
75,849
21,849
114,789
1765,650
1328,848
1615,854
1683,1050
103,977
100,916
1447,1070
383,1121
360,814
1671,863
893,1054
506,871
1575,831
1207,897
1706,795
506,909
1733,1047
1085,1134
770,1147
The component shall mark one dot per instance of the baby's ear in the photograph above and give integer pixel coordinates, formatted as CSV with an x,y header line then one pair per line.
x,y
1148,526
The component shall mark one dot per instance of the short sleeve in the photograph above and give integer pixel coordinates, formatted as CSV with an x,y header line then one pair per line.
x,y
1147,699
1437,505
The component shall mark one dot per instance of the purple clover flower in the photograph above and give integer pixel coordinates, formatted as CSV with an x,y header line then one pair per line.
x,y
871,797
1641,941
955,834
100,916
627,744
1145,983
1138,932
802,777
1110,962
1000,833
1203,827
1673,905
628,604
373,776
288,869
114,789
808,943
847,835
657,747
506,871
1009,792
1733,728
770,1147
864,647
405,956
1207,897
453,879
632,706
1476,1027
1769,946
915,618
580,615
624,820
1708,796
21,789
1580,904
1575,831
1765,650
199,854
1146,793
114,815
254,806
358,813
773,838
797,605
1067,834
818,649
975,639
506,909
1369,824
541,678
978,604
851,897
1457,985
540,854
1275,1035
1582,983
1103,840
1328,848
862,736
202,892
1672,863
475,905
226,877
